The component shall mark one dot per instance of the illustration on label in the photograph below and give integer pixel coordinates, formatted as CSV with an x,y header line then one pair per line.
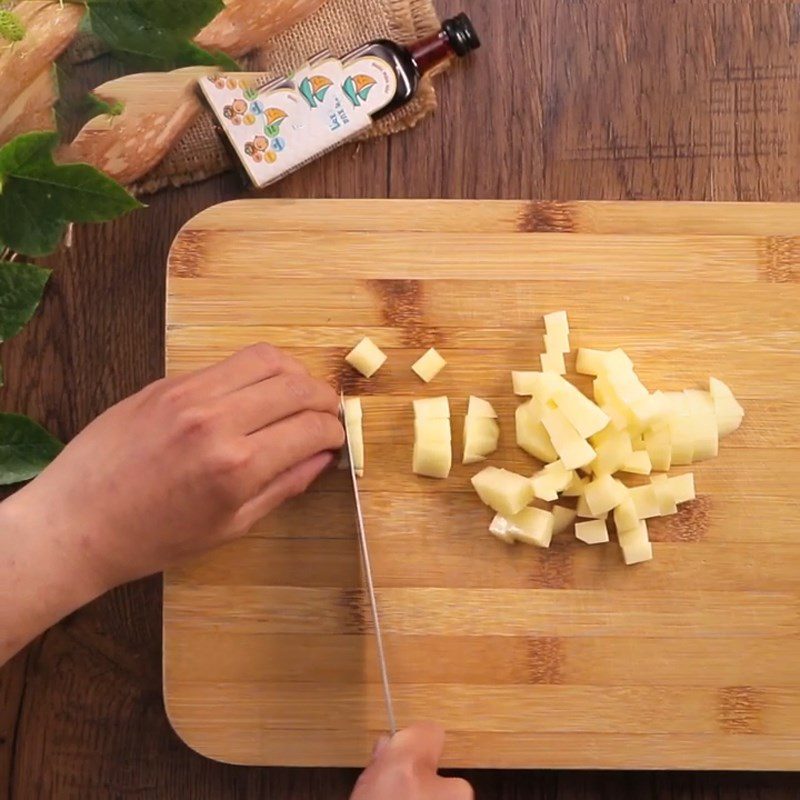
x,y
314,89
357,88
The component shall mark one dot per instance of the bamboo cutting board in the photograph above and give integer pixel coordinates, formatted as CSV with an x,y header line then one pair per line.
x,y
559,658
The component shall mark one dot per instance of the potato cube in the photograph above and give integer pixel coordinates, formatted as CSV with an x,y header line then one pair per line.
x,y
727,409
586,417
477,407
613,448
604,493
481,435
659,447
557,322
625,516
366,357
432,430
556,343
540,385
429,365
638,463
554,478
501,528
646,501
635,544
504,491
582,510
664,496
626,386
553,362
591,362
432,408
592,531
531,434
576,487
432,459
682,487
573,450
532,526
704,431
563,517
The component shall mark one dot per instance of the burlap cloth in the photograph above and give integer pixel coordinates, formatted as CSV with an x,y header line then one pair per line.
x,y
340,26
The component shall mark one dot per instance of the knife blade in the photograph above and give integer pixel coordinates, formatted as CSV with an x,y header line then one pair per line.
x,y
370,583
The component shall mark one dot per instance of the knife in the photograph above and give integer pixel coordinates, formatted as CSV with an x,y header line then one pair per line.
x,y
373,602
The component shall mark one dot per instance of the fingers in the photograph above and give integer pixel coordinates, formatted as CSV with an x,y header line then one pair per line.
x,y
289,484
421,744
453,789
268,401
251,365
292,440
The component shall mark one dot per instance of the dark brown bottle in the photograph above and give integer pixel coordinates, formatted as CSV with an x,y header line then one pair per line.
x,y
456,39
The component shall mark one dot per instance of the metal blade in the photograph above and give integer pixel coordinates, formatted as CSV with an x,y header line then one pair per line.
x,y
373,602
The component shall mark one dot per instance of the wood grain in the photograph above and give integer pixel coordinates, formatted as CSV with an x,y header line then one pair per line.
x,y
82,713
439,574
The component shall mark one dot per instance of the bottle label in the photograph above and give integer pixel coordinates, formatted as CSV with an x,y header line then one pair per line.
x,y
277,126
370,82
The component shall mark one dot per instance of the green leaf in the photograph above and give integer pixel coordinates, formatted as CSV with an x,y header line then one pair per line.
x,y
11,26
96,106
21,287
157,31
39,197
26,448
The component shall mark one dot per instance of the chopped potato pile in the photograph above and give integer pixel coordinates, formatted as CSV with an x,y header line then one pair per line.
x,y
586,444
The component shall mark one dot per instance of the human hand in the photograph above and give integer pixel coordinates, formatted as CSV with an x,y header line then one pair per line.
x,y
405,768
187,464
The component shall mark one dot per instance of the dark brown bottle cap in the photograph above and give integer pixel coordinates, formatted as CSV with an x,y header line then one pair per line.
x,y
461,34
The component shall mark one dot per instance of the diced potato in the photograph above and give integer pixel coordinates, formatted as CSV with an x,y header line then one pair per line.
x,y
477,407
582,510
501,528
625,516
682,487
504,491
635,544
727,409
366,357
556,343
481,435
553,362
576,487
591,362
613,449
681,441
540,385
586,417
432,408
638,463
593,531
705,436
646,501
532,526
353,411
557,322
573,450
626,386
531,434
432,430
647,410
664,496
617,414
603,494
554,478
563,518
430,365
659,448
698,401
432,459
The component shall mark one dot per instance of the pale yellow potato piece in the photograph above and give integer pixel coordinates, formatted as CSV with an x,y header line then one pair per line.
x,y
626,386
593,531
576,487
429,365
563,517
532,526
727,409
666,500
553,362
504,491
353,420
705,436
366,357
638,463
481,436
556,343
645,500
648,410
478,407
582,509
501,528
531,434
432,408
584,415
659,447
682,487
557,322
635,544
603,494
552,480
591,362
432,430
540,385
572,449
613,449
625,516
432,459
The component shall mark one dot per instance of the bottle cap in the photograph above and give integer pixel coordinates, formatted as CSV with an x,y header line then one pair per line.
x,y
461,34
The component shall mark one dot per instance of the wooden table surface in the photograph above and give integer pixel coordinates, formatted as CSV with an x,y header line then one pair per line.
x,y
568,99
